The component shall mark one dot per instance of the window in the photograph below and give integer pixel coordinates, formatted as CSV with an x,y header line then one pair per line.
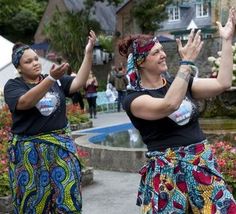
x,y
202,9
173,13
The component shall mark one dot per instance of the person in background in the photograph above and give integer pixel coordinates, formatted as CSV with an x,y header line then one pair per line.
x,y
181,174
77,97
91,94
111,75
44,169
111,93
120,82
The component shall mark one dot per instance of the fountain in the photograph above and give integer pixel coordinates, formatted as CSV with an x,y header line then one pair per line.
x,y
127,158
121,148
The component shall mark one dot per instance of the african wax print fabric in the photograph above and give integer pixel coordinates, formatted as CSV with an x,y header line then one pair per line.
x,y
183,180
45,174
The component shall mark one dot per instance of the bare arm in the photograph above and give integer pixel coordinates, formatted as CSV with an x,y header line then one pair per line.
x,y
83,73
95,81
31,97
209,87
150,108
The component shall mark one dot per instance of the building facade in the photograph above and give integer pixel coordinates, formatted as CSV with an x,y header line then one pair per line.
x,y
183,15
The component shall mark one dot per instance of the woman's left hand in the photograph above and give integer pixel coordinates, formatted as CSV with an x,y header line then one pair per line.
x,y
227,31
91,42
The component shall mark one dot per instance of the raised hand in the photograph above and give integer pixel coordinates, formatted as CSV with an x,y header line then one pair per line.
x,y
91,42
227,31
191,50
58,71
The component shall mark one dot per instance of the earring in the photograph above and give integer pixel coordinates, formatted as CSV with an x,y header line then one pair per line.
x,y
19,71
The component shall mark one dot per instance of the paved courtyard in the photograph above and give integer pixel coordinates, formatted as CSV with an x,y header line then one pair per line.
x,y
112,192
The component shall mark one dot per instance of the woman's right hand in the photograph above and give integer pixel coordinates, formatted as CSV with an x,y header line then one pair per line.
x,y
192,48
58,71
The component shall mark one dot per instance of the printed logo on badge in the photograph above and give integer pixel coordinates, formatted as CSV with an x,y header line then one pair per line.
x,y
48,104
183,114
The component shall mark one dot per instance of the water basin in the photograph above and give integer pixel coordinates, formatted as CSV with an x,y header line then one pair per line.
x,y
121,148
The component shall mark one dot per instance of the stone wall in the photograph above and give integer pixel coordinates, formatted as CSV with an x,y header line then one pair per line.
x,y
210,48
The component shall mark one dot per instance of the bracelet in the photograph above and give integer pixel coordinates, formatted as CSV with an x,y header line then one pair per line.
x,y
51,78
195,70
186,62
193,67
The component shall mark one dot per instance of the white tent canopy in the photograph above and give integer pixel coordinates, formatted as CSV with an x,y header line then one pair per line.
x,y
7,69
5,53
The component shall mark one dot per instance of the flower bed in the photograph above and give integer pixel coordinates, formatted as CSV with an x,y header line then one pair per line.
x,y
74,115
225,154
5,123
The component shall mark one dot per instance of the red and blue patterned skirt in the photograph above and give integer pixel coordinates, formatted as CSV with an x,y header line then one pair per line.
x,y
184,180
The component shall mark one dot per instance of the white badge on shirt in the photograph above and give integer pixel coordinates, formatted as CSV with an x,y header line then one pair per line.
x,y
48,104
183,114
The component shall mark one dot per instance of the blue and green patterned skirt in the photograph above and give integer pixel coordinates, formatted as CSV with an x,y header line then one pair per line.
x,y
184,180
45,174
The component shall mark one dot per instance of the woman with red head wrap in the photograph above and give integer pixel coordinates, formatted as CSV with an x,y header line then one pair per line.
x,y
181,174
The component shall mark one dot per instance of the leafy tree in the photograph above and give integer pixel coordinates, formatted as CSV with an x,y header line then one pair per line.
x,y
149,14
68,32
19,19
106,42
6,10
90,3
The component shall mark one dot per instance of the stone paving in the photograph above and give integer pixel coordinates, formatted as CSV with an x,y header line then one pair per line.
x,y
112,192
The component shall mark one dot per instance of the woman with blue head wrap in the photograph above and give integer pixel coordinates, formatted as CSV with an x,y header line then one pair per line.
x,y
44,169
181,175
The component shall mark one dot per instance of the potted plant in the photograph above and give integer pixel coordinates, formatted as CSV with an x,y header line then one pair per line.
x,y
77,118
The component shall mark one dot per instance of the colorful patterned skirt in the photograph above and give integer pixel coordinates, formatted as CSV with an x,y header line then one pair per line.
x,y
183,180
45,174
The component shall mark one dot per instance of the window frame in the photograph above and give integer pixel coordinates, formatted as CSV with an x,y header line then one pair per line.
x,y
176,11
200,9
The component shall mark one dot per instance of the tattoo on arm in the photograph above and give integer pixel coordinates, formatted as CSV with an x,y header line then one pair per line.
x,y
183,75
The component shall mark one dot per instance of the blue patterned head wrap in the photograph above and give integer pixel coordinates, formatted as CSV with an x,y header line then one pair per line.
x,y
135,59
17,54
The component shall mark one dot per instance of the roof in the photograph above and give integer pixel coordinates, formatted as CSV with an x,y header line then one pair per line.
x,y
206,29
125,2
104,14
40,46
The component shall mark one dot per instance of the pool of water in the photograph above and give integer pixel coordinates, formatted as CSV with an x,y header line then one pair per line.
x,y
127,139
123,143
131,138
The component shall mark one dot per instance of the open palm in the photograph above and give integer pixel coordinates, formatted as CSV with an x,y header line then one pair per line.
x,y
91,41
227,31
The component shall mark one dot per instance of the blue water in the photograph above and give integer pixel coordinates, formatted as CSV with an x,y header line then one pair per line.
x,y
127,136
124,135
